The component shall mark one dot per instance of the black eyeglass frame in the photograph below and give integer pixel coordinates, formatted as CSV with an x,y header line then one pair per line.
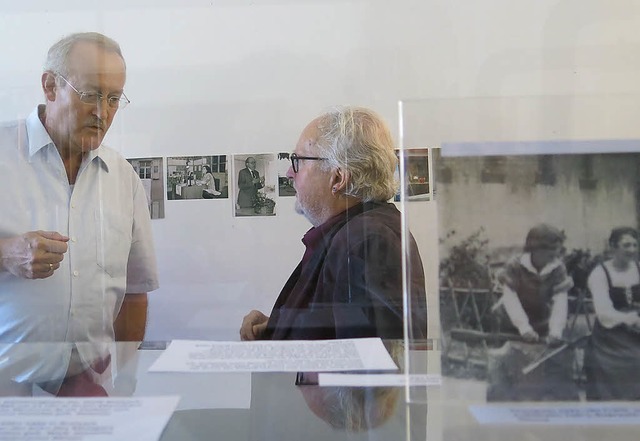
x,y
295,160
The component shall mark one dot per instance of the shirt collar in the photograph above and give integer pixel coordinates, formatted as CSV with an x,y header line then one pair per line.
x,y
313,237
525,260
39,138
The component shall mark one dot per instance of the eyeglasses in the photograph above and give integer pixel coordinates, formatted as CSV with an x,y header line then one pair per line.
x,y
295,160
93,98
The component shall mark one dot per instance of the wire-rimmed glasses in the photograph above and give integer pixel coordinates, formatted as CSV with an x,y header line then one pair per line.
x,y
93,98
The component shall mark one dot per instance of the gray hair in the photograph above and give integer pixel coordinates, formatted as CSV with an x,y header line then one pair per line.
x,y
358,141
58,55
359,408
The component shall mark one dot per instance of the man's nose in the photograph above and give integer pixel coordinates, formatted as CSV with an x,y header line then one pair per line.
x,y
102,109
290,173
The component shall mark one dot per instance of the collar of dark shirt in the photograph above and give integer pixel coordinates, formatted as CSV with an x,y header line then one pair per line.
x,y
314,236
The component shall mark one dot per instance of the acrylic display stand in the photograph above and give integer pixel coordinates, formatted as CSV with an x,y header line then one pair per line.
x,y
533,125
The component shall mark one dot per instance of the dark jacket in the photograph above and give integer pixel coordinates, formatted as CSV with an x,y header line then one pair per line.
x,y
350,286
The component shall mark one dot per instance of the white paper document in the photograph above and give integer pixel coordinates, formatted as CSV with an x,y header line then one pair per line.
x,y
275,356
587,414
365,380
80,419
232,389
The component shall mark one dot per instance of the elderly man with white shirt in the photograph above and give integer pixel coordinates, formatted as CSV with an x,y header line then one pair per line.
x,y
75,234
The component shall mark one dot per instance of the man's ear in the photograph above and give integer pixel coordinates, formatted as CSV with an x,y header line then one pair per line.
x,y
48,81
339,180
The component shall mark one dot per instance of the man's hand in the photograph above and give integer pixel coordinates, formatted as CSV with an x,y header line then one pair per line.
x,y
33,255
253,325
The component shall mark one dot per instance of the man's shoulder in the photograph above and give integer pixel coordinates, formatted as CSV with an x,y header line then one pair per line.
x,y
108,151
114,158
383,216
379,220
119,168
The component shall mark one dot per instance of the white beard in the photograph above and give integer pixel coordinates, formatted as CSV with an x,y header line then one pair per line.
x,y
311,217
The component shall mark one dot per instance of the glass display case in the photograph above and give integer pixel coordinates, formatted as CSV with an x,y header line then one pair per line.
x,y
528,197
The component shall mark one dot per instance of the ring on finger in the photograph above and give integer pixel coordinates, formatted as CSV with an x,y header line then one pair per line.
x,y
51,267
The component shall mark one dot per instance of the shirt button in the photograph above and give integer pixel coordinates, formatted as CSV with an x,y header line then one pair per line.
x,y
73,239
75,273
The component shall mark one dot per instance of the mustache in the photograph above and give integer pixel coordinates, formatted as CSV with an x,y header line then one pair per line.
x,y
97,122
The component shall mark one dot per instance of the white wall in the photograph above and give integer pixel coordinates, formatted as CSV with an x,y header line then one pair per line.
x,y
241,76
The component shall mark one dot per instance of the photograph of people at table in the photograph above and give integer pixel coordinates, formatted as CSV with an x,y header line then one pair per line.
x,y
534,304
349,281
76,250
197,177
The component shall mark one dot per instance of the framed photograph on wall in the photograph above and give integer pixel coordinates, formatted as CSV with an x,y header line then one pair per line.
x,y
151,172
197,177
255,176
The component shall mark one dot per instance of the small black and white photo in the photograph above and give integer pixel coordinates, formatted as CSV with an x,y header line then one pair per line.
x,y
197,177
256,177
417,178
151,172
285,183
539,275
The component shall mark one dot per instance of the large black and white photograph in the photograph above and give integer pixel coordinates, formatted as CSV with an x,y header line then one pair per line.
x,y
256,177
151,172
539,275
197,177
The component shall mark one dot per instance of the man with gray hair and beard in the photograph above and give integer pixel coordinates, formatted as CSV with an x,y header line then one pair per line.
x,y
349,281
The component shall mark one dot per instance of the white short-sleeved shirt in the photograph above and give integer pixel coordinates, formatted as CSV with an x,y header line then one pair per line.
x,y
110,252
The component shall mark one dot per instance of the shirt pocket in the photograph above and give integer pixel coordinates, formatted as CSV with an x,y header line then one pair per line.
x,y
113,241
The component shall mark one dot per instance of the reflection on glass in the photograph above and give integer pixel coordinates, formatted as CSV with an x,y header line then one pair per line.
x,y
353,409
63,369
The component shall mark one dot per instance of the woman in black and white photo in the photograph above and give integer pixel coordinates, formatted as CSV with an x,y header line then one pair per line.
x,y
209,183
612,357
